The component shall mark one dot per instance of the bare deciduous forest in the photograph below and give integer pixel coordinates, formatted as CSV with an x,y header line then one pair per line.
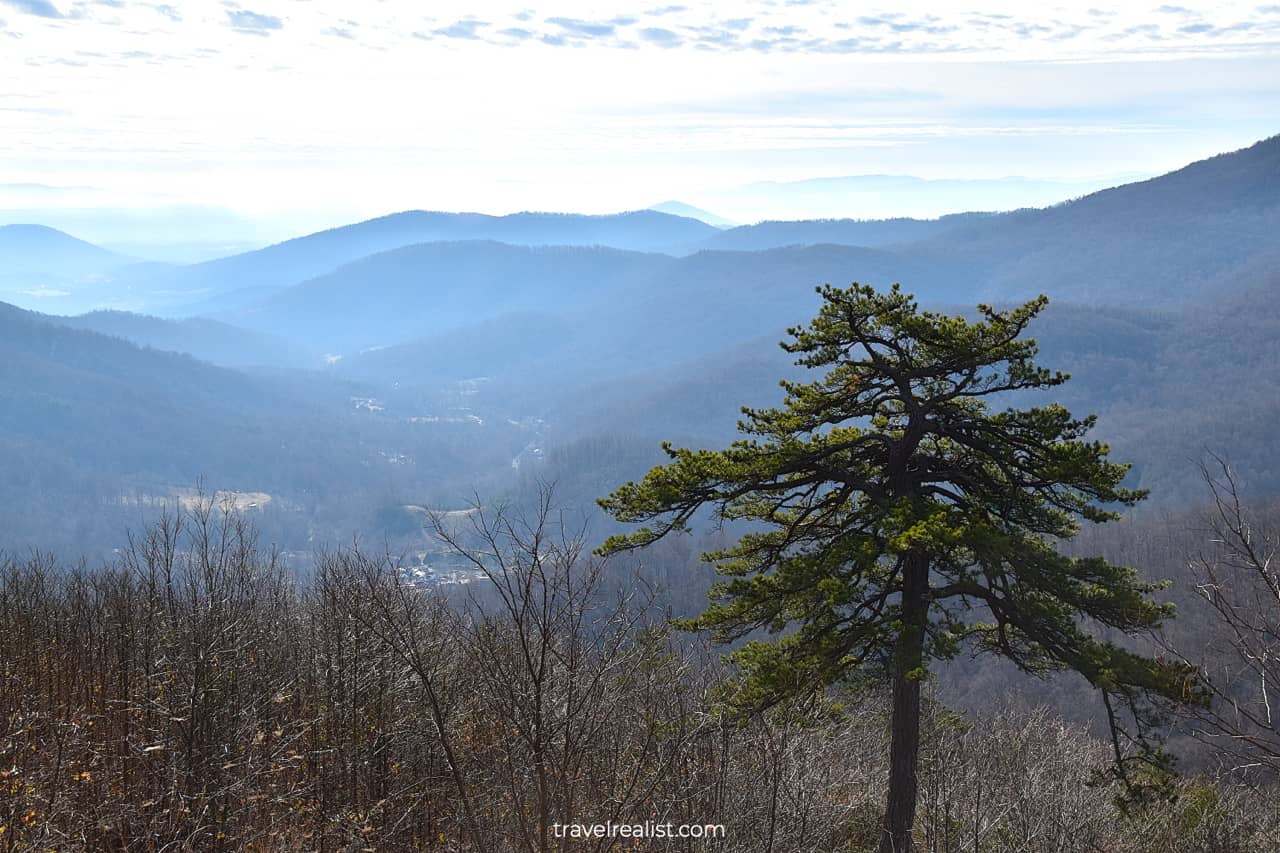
x,y
324,516
196,695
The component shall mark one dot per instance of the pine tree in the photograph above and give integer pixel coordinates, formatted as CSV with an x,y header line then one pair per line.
x,y
895,518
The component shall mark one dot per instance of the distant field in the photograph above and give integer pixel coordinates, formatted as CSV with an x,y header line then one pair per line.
x,y
191,499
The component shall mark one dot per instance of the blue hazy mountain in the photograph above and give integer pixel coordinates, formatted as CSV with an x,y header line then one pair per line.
x,y
150,227
1095,249
38,248
679,208
206,339
1133,234
72,397
1172,239
313,255
42,267
1163,308
88,422
414,291
516,341
624,308
892,196
844,232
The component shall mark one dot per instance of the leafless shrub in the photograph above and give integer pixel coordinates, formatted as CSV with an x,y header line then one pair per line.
x,y
195,696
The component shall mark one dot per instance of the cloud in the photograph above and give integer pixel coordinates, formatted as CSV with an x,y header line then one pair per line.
x,y
467,29
659,36
586,29
930,24
39,8
1068,33
715,38
1026,30
246,21
784,26
42,111
516,33
786,44
60,60
1151,31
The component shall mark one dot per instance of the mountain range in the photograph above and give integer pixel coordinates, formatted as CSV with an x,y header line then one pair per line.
x,y
422,353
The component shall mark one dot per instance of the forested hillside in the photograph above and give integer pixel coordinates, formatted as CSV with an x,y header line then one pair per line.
x,y
456,360
206,695
307,257
385,406
768,426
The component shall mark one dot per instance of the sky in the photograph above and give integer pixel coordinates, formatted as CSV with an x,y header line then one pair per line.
x,y
339,109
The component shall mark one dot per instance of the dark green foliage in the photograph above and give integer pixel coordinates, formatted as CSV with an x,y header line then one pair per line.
x,y
892,460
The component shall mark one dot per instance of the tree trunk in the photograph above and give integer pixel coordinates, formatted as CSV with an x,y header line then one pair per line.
x,y
908,662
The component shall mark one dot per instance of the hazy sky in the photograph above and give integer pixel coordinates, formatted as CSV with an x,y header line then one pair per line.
x,y
370,107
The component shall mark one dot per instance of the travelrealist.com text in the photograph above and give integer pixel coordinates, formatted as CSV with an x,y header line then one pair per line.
x,y
647,829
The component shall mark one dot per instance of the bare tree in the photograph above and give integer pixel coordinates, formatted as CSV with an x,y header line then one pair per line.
x,y
194,694
1237,577
576,679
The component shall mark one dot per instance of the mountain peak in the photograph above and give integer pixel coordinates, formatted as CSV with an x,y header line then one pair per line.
x,y
679,208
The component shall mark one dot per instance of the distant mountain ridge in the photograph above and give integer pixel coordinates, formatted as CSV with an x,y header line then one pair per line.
x,y
59,386
872,233
1185,226
679,208
624,308
37,250
883,196
313,255
83,414
1186,246
459,355
208,340
409,292
33,245
44,266
1171,239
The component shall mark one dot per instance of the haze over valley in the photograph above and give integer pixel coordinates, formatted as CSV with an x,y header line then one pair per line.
x,y
707,427
407,359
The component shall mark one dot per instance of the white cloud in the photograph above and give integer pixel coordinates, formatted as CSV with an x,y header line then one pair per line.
x,y
579,105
